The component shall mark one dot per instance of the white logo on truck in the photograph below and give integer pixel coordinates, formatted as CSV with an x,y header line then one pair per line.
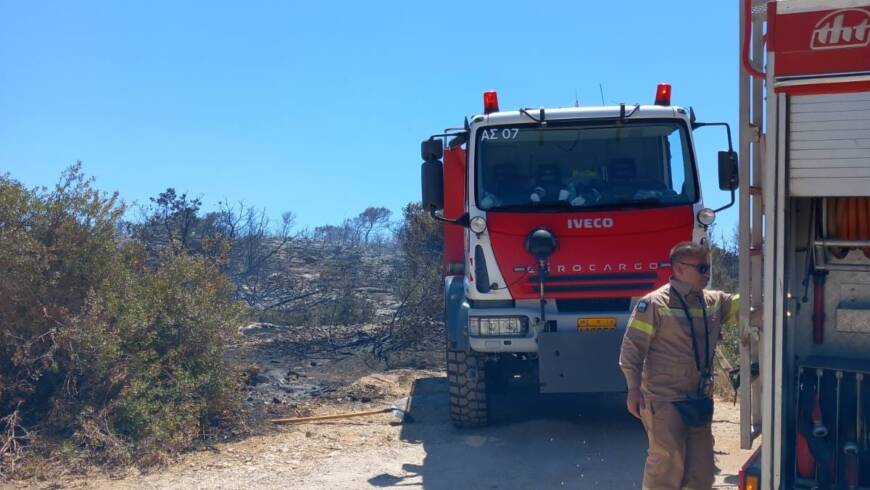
x,y
846,28
615,267
576,224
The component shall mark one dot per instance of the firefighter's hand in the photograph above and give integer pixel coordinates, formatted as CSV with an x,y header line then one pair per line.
x,y
756,318
635,402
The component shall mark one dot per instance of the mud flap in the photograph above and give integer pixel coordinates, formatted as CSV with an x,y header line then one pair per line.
x,y
580,362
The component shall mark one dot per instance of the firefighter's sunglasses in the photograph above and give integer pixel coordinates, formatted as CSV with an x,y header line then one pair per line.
x,y
701,268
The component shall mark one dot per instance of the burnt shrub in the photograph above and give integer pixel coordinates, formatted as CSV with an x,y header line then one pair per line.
x,y
417,281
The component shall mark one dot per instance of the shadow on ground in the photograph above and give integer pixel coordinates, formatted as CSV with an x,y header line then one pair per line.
x,y
535,442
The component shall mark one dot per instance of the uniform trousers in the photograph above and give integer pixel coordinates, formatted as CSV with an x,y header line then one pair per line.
x,y
679,457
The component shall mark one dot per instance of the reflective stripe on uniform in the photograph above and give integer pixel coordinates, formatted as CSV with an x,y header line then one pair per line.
x,y
640,325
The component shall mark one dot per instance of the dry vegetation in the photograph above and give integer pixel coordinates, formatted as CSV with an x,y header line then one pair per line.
x,y
117,337
124,342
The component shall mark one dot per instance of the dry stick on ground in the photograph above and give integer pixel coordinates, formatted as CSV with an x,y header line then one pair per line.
x,y
302,420
284,301
11,439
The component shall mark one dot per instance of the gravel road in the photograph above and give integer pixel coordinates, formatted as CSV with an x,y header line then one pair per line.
x,y
554,442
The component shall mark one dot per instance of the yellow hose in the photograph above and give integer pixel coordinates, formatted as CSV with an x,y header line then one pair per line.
x,y
303,420
835,218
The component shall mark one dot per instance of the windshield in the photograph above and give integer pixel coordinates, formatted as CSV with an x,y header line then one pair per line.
x,y
584,166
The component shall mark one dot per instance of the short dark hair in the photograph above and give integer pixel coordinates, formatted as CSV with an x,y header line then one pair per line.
x,y
687,249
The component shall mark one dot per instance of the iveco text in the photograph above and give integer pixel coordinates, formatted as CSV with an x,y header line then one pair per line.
x,y
574,223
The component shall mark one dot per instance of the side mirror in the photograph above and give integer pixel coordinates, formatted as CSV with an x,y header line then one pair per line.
x,y
432,177
432,149
728,171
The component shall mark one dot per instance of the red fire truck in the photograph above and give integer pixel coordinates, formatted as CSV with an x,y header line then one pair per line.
x,y
556,222
805,242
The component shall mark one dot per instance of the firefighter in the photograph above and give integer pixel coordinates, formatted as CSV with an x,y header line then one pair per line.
x,y
583,186
548,185
504,187
666,356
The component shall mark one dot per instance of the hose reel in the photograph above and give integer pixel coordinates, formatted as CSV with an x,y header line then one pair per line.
x,y
847,218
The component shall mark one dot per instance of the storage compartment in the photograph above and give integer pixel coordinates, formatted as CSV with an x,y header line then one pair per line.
x,y
832,439
829,144
826,350
829,291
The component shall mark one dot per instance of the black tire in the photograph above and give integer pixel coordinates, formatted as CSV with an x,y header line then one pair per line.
x,y
466,379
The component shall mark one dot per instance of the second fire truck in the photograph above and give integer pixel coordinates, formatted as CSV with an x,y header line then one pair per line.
x,y
556,222
805,243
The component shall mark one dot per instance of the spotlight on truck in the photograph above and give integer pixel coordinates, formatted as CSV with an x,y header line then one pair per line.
x,y
541,244
706,216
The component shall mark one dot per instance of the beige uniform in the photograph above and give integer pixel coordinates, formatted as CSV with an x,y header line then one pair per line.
x,y
657,356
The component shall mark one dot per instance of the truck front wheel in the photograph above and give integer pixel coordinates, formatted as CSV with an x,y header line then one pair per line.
x,y
466,379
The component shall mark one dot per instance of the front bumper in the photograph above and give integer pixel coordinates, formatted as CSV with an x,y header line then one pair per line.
x,y
569,360
566,323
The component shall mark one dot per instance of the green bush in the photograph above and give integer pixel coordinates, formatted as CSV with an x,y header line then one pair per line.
x,y
101,346
166,349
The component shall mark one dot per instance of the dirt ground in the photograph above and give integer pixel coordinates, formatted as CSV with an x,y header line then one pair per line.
x,y
535,442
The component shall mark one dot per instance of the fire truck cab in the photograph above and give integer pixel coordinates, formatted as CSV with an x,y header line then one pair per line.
x,y
556,222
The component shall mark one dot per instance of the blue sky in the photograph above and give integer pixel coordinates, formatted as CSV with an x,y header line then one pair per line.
x,y
319,107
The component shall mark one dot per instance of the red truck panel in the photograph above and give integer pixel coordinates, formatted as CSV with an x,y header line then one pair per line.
x,y
454,206
824,44
600,254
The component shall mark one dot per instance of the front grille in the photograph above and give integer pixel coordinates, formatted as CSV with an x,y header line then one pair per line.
x,y
629,286
621,305
553,278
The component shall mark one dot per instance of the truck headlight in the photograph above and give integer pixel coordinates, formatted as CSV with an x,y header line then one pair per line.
x,y
489,326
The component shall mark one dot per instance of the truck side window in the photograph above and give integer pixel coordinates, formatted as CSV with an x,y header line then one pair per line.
x,y
674,150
